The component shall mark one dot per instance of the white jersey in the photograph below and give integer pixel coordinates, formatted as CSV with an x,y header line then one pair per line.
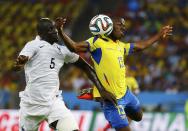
x,y
42,70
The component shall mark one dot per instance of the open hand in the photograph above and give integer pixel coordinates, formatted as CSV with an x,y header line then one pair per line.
x,y
166,31
60,22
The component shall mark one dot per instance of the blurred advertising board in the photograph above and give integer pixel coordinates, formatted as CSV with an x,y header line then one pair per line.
x,y
95,121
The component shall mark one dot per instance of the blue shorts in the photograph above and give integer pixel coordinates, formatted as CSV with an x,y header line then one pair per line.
x,y
116,115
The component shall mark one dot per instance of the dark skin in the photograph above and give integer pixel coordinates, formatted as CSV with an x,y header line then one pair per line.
x,y
47,31
117,34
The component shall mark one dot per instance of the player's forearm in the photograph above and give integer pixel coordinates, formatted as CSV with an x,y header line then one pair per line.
x,y
73,46
90,73
67,40
147,43
93,77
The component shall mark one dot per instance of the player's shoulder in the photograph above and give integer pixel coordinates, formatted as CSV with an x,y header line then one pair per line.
x,y
132,79
62,48
35,42
92,39
97,39
124,43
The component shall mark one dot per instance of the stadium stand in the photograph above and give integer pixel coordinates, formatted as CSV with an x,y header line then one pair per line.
x,y
163,68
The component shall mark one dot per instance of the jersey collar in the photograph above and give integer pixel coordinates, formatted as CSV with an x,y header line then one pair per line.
x,y
105,37
39,39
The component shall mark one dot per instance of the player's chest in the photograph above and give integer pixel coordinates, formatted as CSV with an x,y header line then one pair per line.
x,y
50,55
112,50
49,51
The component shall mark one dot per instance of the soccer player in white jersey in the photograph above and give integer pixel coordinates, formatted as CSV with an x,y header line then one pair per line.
x,y
42,59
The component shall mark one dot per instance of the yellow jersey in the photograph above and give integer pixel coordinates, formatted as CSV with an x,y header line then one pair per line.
x,y
130,81
108,58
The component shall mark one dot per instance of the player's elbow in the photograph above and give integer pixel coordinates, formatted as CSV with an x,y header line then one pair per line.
x,y
138,118
139,47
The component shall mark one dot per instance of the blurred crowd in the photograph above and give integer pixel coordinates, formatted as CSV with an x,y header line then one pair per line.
x,y
163,67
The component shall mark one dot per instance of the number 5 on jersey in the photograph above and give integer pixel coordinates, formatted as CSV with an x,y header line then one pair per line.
x,y
52,64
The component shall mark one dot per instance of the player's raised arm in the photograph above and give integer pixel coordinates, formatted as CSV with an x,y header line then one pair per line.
x,y
163,33
71,45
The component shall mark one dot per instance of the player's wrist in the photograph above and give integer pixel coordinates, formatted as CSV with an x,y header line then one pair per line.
x,y
159,36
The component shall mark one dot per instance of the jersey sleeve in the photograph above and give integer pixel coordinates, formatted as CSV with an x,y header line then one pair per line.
x,y
90,42
128,48
29,50
70,57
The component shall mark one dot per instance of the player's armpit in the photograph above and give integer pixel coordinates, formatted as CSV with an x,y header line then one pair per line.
x,y
137,47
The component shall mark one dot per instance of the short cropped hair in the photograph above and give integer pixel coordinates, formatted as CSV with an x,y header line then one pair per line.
x,y
41,26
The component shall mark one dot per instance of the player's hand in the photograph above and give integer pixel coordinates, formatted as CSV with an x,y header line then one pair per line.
x,y
107,96
60,22
21,60
166,31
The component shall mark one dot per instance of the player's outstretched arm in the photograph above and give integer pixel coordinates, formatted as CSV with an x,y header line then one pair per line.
x,y
71,45
20,62
93,77
163,33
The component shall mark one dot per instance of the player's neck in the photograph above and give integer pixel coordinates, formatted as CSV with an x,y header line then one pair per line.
x,y
47,40
113,38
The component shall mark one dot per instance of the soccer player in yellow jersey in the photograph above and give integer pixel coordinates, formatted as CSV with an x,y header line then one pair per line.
x,y
131,82
108,55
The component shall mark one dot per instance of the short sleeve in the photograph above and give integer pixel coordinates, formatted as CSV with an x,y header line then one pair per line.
x,y
128,48
29,50
69,57
91,43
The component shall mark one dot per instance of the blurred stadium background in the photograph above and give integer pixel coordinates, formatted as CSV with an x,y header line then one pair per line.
x,y
161,71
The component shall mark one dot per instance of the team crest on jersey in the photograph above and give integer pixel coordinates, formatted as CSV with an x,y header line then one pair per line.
x,y
41,46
